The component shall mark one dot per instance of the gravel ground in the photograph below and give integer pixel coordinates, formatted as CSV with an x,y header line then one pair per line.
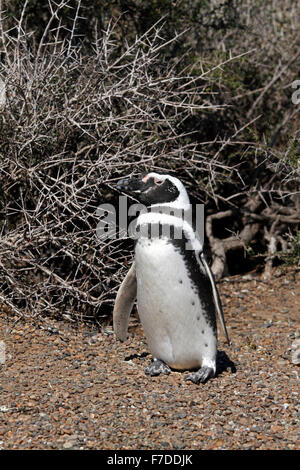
x,y
75,388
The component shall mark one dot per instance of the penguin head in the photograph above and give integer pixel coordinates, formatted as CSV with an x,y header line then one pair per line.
x,y
154,189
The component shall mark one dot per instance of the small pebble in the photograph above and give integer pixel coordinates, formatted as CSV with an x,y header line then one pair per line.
x,y
90,391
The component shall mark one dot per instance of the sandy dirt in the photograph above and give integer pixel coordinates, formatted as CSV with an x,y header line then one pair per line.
x,y
67,387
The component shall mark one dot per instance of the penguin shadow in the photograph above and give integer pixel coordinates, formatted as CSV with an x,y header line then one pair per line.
x,y
141,356
224,363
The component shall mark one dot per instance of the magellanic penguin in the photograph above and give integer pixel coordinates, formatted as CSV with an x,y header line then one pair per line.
x,y
177,298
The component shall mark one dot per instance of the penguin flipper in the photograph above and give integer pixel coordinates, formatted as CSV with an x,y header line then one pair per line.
x,y
217,300
124,303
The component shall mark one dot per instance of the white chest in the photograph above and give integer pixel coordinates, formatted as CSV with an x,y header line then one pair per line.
x,y
169,306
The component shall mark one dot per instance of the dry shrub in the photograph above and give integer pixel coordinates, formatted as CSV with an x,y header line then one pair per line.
x,y
75,122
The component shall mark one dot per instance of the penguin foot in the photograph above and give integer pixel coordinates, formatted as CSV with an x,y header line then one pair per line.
x,y
157,367
201,376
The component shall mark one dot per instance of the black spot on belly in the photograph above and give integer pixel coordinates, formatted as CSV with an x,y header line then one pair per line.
x,y
202,332
193,302
198,317
206,345
200,283
180,281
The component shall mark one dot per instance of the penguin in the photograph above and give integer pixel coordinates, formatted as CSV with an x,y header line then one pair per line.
x,y
177,297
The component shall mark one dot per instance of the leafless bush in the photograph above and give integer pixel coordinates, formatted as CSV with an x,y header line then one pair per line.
x,y
72,124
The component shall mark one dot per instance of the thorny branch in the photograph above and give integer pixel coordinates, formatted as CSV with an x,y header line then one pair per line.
x,y
71,125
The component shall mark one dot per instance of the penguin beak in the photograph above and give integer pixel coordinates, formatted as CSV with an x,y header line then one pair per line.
x,y
123,184
130,185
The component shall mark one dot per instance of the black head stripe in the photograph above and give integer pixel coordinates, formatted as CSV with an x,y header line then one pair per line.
x,y
150,189
153,193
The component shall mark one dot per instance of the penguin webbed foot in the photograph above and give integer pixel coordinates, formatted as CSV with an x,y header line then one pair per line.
x,y
157,367
201,375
